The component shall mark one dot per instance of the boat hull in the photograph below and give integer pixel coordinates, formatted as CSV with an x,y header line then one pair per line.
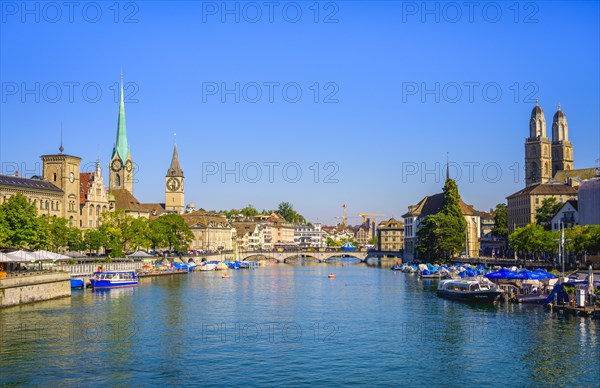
x,y
112,284
77,283
472,297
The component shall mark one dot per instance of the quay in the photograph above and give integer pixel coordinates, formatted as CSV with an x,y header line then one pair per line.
x,y
587,311
34,287
161,273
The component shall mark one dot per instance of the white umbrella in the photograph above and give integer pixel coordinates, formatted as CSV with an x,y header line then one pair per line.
x,y
590,281
4,258
42,255
21,256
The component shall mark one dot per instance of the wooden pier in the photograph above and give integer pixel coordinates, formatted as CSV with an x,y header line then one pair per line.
x,y
587,311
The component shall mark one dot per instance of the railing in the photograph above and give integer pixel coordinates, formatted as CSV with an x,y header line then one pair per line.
x,y
88,269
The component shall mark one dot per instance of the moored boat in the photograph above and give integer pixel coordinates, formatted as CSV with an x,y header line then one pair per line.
x,y
114,279
469,290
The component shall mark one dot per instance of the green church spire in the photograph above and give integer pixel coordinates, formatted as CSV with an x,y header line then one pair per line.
x,y
121,146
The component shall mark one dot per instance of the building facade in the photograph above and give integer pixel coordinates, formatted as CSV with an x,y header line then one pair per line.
x,y
45,197
589,201
566,216
523,205
93,198
433,205
309,236
212,232
390,235
63,171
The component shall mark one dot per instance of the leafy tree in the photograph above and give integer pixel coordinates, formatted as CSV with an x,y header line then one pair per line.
x,y
75,239
17,221
286,210
157,233
119,229
333,243
249,211
177,234
373,241
532,239
59,233
94,239
140,229
43,233
500,228
545,212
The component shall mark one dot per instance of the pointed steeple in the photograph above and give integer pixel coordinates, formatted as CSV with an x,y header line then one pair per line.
x,y
175,168
121,146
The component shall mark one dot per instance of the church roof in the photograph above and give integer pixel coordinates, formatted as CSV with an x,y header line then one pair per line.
x,y
582,173
175,168
28,183
545,189
121,145
126,201
433,205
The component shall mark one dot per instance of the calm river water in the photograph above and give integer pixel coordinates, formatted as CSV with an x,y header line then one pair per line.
x,y
291,325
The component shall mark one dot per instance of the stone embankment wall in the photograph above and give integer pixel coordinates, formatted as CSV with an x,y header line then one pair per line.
x,y
17,290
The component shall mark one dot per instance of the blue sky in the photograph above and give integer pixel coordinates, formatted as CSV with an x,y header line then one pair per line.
x,y
387,88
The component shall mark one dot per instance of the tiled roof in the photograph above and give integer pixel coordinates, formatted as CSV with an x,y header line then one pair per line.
x,y
433,205
126,201
582,173
386,224
203,218
27,183
545,189
244,227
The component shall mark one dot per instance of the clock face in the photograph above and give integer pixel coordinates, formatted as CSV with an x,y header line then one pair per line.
x,y
129,166
173,184
116,165
71,177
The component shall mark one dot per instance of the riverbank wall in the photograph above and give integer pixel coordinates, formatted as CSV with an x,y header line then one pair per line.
x,y
16,290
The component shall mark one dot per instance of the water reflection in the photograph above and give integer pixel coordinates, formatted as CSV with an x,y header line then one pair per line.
x,y
284,323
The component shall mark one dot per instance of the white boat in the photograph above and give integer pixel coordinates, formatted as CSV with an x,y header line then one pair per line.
x,y
478,290
207,267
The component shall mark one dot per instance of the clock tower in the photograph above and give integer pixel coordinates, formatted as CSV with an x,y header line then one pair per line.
x,y
121,167
174,199
63,172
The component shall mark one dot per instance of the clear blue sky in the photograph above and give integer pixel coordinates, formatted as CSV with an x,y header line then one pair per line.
x,y
373,58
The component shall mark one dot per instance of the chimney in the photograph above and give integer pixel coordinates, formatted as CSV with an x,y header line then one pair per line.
x,y
16,173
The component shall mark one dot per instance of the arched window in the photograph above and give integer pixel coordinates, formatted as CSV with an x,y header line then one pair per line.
x,y
546,168
118,180
71,221
97,211
47,204
91,210
54,177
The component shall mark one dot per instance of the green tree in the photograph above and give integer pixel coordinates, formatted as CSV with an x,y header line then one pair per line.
x,y
500,228
43,233
544,213
75,239
140,229
373,241
94,239
532,239
157,233
249,211
17,221
120,229
59,232
177,234
286,210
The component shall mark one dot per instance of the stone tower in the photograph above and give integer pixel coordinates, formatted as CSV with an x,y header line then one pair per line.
x,y
562,149
121,165
174,180
63,171
538,160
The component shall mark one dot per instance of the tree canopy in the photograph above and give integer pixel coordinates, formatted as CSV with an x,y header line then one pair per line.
x,y
500,228
544,213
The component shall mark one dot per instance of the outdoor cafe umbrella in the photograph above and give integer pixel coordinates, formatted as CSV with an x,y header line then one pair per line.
x,y
590,281
21,256
43,255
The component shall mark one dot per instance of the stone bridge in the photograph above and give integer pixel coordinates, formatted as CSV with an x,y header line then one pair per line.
x,y
293,256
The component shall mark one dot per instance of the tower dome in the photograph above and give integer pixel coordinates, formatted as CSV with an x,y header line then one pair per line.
x,y
537,123
560,128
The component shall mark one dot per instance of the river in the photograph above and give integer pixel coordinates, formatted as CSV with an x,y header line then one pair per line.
x,y
290,325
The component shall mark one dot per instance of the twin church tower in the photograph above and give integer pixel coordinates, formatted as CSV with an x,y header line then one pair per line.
x,y
122,168
544,158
